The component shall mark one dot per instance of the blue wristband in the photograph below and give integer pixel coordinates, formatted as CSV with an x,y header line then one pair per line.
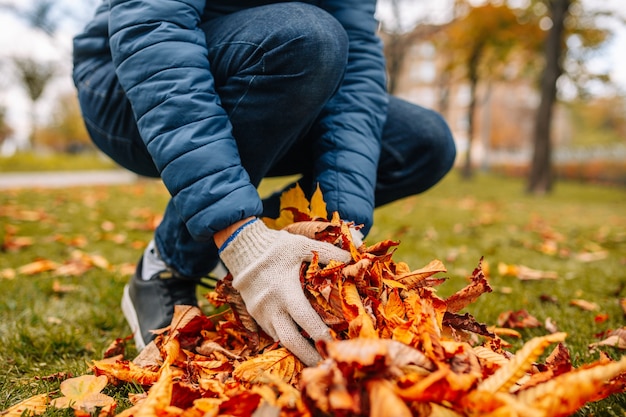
x,y
234,235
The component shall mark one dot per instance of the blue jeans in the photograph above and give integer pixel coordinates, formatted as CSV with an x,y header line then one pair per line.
x,y
272,121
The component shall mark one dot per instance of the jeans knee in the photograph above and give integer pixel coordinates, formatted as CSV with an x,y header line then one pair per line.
x,y
442,143
320,42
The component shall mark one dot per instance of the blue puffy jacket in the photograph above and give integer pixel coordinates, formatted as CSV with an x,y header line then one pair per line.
x,y
193,148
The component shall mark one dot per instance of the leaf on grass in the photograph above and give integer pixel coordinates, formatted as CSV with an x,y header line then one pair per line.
x,y
11,243
584,305
37,267
554,397
59,288
594,256
615,338
8,273
36,405
83,393
508,375
525,273
520,319
466,322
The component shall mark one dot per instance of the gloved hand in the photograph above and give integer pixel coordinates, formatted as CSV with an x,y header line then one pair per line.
x,y
265,265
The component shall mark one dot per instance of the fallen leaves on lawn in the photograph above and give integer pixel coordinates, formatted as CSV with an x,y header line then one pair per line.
x,y
525,273
83,393
584,305
398,348
77,264
615,338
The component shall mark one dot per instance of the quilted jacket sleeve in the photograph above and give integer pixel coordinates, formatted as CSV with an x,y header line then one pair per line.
x,y
351,124
160,56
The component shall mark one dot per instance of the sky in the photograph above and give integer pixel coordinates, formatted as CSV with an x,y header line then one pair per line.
x,y
16,39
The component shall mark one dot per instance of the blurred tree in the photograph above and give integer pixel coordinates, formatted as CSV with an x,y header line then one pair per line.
x,y
573,35
5,129
34,76
66,132
541,177
38,14
399,34
479,44
598,121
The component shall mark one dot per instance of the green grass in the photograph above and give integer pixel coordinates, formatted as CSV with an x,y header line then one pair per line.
x,y
43,331
27,161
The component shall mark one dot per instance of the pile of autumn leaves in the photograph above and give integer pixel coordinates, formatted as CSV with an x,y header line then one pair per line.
x,y
398,350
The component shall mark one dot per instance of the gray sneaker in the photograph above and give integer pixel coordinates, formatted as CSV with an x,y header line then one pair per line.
x,y
149,305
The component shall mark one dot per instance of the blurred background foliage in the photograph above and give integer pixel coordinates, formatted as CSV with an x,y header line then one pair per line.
x,y
515,80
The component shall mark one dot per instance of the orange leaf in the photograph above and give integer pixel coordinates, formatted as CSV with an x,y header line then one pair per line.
x,y
461,299
125,371
37,267
585,305
159,396
279,362
351,303
394,306
384,401
520,319
419,278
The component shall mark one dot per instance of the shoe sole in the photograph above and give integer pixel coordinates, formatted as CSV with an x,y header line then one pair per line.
x,y
131,317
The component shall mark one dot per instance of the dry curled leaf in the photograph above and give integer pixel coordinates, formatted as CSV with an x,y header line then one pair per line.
x,y
615,338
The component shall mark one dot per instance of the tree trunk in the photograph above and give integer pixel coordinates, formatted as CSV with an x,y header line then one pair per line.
x,y
541,176
395,52
466,171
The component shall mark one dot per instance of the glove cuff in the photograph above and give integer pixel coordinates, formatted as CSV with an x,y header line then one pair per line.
x,y
245,245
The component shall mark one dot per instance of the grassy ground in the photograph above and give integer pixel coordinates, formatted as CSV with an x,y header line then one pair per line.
x,y
27,161
51,322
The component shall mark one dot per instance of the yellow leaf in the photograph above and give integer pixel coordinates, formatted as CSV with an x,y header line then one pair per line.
x,y
83,393
37,267
509,374
318,205
279,362
33,406
566,393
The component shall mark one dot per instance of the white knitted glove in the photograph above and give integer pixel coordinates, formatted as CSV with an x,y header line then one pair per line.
x,y
265,265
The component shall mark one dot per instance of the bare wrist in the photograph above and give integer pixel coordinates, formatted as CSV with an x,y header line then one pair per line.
x,y
220,237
